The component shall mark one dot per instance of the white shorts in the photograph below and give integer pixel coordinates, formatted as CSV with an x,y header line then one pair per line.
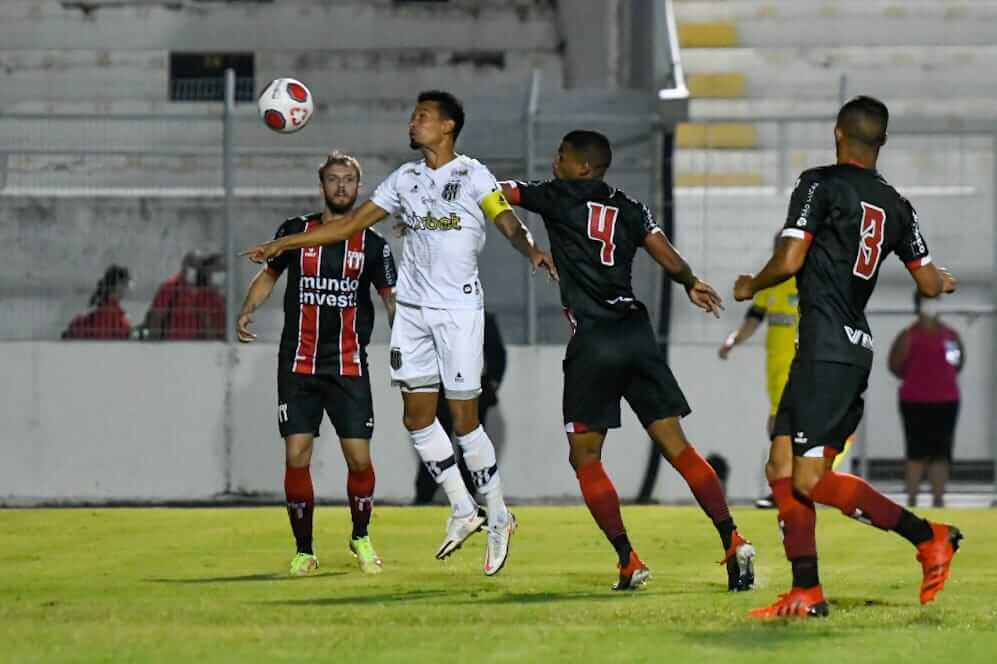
x,y
430,346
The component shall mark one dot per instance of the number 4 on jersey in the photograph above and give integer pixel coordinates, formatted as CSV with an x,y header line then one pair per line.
x,y
870,241
602,228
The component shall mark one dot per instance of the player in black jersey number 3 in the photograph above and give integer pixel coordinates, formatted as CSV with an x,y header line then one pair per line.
x,y
843,220
322,361
595,232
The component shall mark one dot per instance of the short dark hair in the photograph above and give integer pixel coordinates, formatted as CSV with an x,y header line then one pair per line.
x,y
449,105
863,120
114,276
594,146
341,158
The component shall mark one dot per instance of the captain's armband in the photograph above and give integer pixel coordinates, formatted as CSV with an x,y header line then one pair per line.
x,y
494,204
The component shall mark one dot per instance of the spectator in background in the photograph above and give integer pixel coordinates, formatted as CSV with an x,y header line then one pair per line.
x,y
106,319
491,378
190,305
927,357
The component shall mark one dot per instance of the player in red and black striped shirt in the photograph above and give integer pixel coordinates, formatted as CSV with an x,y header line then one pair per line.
x,y
322,362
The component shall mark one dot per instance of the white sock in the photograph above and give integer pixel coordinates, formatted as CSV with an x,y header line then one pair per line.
x,y
479,455
436,452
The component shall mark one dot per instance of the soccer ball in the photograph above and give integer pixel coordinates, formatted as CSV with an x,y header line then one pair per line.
x,y
285,105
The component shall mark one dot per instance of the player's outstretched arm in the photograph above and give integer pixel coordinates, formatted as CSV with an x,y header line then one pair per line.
x,y
522,241
932,280
739,336
259,290
667,256
363,217
788,259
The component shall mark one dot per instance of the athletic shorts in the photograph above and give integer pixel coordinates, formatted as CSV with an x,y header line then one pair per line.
x,y
929,429
433,346
607,360
301,399
821,405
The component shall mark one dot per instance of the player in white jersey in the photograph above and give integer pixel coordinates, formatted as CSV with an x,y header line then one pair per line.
x,y
444,200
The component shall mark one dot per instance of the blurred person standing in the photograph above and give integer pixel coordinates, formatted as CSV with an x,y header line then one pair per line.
x,y
190,305
105,319
927,357
780,305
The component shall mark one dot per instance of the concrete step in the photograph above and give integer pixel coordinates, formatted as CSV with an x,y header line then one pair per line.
x,y
752,108
715,135
707,34
313,24
74,75
776,23
723,84
921,166
884,72
375,132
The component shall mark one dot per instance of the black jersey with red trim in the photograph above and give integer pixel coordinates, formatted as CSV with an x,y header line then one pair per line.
x,y
853,220
595,232
328,312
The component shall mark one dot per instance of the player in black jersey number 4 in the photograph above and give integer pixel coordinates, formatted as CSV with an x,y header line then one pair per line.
x,y
843,220
595,232
322,361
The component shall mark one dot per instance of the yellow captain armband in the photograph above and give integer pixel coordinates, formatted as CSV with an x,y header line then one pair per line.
x,y
494,204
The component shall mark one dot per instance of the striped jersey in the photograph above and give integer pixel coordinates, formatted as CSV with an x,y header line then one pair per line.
x,y
328,312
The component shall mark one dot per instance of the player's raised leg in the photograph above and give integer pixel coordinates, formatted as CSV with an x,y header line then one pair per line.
x,y
739,554
458,336
936,543
415,369
360,491
436,451
603,502
300,495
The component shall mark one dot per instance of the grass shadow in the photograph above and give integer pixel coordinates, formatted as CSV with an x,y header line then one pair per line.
x,y
548,597
414,596
762,635
246,577
848,603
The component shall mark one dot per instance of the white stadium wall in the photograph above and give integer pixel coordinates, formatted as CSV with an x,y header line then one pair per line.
x,y
147,422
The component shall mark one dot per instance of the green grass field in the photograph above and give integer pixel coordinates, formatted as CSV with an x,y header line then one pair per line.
x,y
172,585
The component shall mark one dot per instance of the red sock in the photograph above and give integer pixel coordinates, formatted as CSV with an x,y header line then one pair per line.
x,y
704,483
300,505
360,489
857,499
797,518
601,498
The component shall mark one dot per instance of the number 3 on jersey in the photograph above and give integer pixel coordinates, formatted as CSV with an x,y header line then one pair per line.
x,y
602,228
870,241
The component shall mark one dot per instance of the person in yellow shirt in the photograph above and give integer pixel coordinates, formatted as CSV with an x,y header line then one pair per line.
x,y
779,305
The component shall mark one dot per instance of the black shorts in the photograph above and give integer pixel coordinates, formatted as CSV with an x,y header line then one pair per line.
x,y
609,359
821,405
301,398
929,428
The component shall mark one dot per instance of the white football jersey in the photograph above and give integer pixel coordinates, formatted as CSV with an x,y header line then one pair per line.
x,y
446,230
